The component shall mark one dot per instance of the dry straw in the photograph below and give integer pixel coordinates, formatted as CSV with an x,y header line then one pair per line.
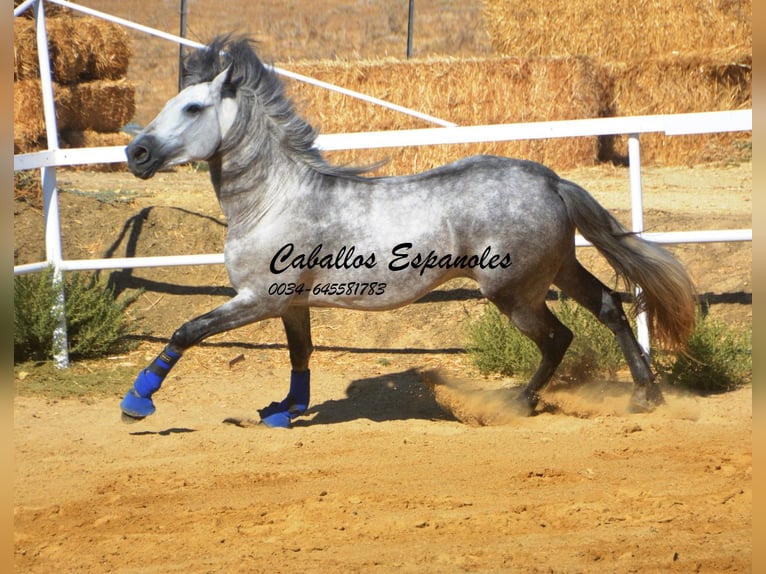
x,y
103,106
466,91
50,10
659,56
81,49
89,61
28,120
617,31
683,84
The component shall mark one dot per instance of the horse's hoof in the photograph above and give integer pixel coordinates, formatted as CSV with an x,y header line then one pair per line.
x,y
527,404
130,419
281,419
280,415
136,406
646,398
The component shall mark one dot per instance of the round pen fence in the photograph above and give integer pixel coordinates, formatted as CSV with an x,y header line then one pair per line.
x,y
448,133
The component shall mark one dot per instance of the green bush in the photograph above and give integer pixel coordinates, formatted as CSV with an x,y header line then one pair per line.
x,y
496,346
594,349
718,359
97,324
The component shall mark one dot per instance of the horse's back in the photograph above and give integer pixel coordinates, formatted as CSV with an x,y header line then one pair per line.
x,y
512,205
488,165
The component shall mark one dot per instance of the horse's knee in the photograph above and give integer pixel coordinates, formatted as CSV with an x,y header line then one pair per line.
x,y
183,338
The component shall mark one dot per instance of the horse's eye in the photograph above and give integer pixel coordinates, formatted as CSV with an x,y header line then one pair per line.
x,y
193,109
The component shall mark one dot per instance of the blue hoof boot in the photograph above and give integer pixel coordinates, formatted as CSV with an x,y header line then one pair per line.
x,y
281,419
136,406
280,415
272,409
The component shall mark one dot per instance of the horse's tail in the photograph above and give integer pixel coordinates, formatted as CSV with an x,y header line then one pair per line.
x,y
667,292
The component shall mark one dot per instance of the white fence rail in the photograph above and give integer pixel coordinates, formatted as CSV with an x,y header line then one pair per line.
x,y
48,160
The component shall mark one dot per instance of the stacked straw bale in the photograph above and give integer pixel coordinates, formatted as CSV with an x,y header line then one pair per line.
x,y
89,61
465,91
658,57
682,84
617,31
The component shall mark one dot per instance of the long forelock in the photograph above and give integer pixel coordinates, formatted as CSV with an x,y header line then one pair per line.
x,y
251,76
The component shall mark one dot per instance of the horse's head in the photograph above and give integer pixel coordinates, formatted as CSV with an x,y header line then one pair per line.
x,y
190,127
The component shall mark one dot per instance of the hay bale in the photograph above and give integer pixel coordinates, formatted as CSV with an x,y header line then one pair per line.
x,y
691,82
102,106
28,118
81,49
25,63
617,31
652,54
90,138
683,84
107,46
467,92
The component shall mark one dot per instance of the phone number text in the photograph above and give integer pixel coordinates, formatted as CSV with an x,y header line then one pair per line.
x,y
349,289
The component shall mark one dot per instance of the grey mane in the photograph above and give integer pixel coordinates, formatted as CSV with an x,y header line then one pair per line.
x,y
250,78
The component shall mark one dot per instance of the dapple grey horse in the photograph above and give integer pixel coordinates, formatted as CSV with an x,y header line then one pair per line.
x,y
303,232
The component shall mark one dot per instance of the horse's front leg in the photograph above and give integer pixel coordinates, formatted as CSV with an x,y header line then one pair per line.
x,y
297,323
239,311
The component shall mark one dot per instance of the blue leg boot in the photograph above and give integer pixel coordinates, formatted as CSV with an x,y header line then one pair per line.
x,y
281,414
138,403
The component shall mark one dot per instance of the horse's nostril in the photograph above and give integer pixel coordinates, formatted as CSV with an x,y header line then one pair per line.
x,y
140,154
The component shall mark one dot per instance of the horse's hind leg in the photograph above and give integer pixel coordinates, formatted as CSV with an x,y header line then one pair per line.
x,y
297,324
592,294
552,338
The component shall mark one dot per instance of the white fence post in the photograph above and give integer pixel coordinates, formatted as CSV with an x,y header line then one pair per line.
x,y
53,252
637,221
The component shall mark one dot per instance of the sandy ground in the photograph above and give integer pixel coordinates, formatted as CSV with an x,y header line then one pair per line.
x,y
378,478
386,473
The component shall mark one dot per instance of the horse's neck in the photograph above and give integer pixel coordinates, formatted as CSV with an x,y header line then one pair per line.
x,y
248,187
216,178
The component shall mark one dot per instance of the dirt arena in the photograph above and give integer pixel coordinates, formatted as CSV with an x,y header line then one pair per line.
x,y
386,473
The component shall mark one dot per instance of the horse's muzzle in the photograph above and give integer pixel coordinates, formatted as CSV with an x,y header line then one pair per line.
x,y
143,162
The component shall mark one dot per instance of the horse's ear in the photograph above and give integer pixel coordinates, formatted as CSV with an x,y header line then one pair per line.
x,y
223,84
